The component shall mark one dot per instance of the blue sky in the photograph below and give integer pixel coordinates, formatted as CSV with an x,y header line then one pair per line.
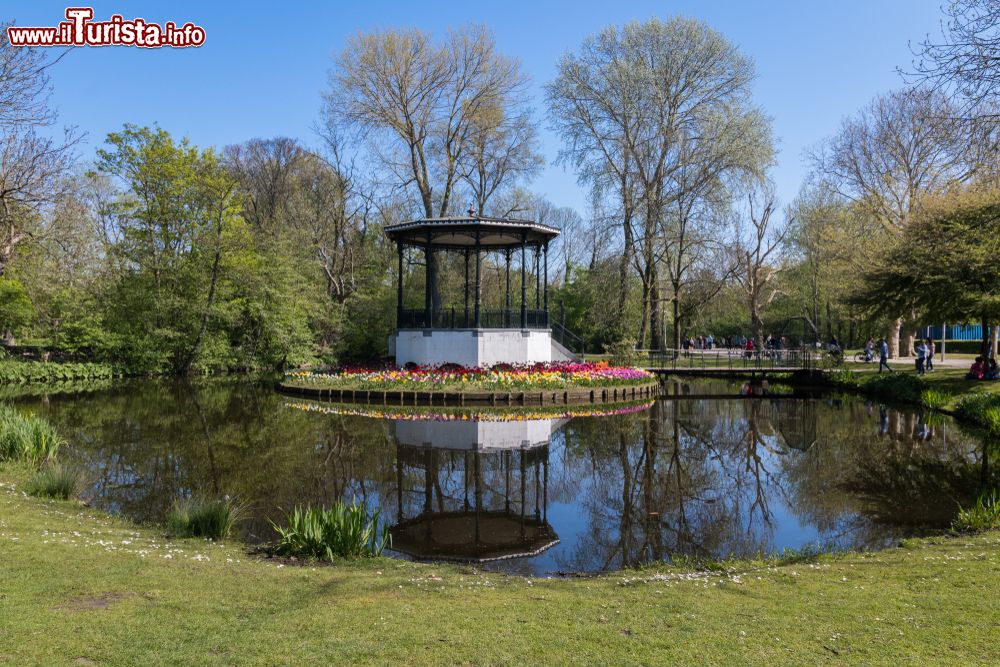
x,y
264,65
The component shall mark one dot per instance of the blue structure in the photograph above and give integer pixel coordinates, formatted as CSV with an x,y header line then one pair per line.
x,y
954,332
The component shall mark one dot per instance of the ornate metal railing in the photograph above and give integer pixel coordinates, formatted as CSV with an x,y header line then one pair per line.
x,y
458,318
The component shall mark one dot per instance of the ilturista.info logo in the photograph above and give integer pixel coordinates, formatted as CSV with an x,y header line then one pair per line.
x,y
79,29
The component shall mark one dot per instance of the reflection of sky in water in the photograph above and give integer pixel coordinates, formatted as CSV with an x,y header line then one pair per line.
x,y
830,472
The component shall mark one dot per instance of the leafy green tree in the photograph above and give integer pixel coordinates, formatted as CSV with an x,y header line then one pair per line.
x,y
16,310
945,265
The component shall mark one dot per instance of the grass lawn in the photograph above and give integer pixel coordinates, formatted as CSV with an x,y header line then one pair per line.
x,y
951,380
79,587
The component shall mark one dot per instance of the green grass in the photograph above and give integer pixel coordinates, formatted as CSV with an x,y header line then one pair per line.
x,y
25,437
340,531
198,516
83,588
54,481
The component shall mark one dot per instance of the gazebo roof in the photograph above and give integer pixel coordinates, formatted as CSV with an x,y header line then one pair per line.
x,y
459,232
472,537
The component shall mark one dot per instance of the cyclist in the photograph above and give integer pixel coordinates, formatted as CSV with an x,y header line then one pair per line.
x,y
869,350
834,349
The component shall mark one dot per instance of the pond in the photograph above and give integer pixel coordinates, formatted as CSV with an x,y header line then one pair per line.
x,y
702,472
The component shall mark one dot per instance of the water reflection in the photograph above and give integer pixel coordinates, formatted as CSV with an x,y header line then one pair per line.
x,y
474,491
693,474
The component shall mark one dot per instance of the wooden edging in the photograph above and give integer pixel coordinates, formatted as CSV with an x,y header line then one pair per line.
x,y
457,398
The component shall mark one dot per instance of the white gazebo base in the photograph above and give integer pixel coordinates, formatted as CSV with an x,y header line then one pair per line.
x,y
476,435
472,347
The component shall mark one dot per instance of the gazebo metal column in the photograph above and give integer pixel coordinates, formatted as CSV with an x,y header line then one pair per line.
x,y
428,284
466,320
506,312
538,279
399,285
545,253
479,283
524,284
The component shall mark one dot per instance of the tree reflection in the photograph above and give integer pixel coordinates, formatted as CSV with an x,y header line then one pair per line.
x,y
694,474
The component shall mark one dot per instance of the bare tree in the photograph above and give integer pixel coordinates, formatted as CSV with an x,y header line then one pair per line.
x,y
966,59
637,108
571,245
502,151
759,238
33,167
900,147
266,169
420,104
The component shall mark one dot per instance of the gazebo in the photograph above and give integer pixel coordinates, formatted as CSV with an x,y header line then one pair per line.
x,y
472,335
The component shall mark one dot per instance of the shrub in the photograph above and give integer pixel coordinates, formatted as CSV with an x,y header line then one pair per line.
x,y
844,378
623,352
26,437
983,515
26,372
204,517
345,531
896,387
54,481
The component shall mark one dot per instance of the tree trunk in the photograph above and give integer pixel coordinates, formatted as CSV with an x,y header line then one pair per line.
x,y
995,335
676,305
984,345
894,328
829,321
644,319
654,315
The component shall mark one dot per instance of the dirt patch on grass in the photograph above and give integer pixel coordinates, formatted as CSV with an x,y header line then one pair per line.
x,y
82,603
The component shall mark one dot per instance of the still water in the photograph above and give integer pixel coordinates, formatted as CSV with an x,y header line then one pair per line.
x,y
702,472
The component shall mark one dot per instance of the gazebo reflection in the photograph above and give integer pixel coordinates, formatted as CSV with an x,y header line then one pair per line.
x,y
472,491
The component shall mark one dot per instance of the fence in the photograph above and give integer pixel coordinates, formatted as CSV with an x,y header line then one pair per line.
x,y
460,319
726,359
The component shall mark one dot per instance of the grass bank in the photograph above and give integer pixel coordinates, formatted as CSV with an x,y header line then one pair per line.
x,y
83,588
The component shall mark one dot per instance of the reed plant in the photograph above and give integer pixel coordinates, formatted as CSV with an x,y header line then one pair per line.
x,y
935,399
54,481
982,515
25,437
200,516
340,531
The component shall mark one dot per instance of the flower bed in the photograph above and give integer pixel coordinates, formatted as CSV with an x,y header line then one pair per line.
x,y
502,377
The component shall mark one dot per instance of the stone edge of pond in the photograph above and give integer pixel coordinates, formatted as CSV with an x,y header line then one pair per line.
x,y
577,396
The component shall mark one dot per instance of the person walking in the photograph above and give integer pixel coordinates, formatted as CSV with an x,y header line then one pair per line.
x,y
929,363
883,356
921,356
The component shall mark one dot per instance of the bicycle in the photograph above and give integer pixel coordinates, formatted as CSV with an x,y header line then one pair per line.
x,y
863,357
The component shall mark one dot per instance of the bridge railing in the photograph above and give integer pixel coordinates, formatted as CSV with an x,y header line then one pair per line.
x,y
731,359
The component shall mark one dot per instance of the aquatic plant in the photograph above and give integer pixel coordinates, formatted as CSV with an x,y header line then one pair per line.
x,y
198,516
981,409
26,437
340,531
54,481
934,398
984,514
